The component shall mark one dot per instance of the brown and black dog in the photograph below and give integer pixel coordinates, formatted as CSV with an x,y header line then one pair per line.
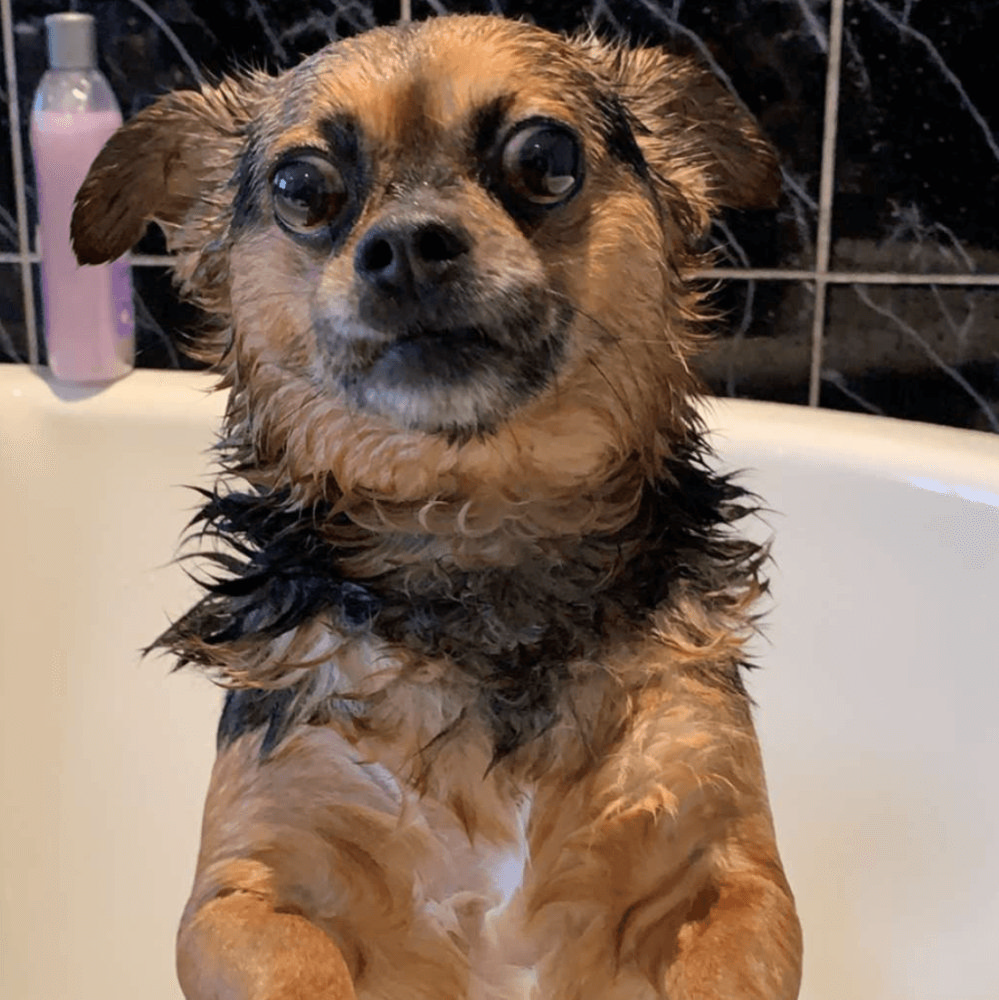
x,y
479,604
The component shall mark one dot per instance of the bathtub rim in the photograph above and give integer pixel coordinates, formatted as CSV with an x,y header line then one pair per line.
x,y
887,446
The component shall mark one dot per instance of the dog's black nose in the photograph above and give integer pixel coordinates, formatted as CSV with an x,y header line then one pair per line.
x,y
404,259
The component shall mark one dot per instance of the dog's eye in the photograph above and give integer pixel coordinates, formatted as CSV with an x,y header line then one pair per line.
x,y
542,163
308,192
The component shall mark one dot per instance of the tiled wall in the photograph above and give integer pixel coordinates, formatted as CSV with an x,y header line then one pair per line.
x,y
874,287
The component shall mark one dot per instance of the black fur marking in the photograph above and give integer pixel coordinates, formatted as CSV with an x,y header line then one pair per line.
x,y
514,630
342,135
248,709
620,127
486,124
249,186
278,575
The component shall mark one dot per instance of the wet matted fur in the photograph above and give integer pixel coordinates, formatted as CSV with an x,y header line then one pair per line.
x,y
472,583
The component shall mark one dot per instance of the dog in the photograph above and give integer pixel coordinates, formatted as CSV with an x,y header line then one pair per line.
x,y
475,593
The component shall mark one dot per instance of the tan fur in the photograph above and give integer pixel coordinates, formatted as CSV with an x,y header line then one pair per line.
x,y
360,856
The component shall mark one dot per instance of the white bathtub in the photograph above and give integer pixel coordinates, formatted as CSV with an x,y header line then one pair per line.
x,y
878,701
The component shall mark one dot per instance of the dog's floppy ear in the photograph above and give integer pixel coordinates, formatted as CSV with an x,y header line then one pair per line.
x,y
697,136
171,163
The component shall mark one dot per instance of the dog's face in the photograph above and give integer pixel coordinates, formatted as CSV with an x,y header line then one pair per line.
x,y
421,226
462,230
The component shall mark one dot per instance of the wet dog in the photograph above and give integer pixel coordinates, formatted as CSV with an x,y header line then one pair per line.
x,y
478,600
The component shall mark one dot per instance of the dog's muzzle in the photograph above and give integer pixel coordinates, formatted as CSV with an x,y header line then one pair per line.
x,y
433,345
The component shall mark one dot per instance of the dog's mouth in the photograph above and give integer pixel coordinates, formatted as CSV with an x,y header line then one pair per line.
x,y
424,357
448,339
461,380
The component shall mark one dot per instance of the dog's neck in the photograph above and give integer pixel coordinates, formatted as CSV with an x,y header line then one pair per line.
x,y
512,607
558,467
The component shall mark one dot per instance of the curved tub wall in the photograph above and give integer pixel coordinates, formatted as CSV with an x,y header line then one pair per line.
x,y
877,697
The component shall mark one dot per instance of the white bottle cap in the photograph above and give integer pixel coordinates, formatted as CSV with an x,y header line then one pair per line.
x,y
72,41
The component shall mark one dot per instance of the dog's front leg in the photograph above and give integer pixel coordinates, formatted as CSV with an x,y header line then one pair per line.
x,y
314,867
657,876
272,875
291,876
237,946
741,939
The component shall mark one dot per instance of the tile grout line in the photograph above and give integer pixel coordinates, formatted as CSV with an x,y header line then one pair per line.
x,y
823,238
850,277
20,193
971,278
958,278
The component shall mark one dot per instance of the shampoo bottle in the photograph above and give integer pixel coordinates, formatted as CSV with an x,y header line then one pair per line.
x,y
89,320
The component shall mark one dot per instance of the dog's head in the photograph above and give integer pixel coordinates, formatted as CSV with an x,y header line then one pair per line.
x,y
440,253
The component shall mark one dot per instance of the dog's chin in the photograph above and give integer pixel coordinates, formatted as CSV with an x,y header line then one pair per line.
x,y
460,381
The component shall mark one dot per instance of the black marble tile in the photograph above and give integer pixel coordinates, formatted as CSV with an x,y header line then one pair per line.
x,y
762,347
8,215
770,52
171,43
163,323
921,352
13,336
917,172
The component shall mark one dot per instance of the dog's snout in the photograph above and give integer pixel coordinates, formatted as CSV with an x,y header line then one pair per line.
x,y
403,259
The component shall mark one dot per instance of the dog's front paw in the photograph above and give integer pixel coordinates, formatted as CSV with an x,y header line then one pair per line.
x,y
236,947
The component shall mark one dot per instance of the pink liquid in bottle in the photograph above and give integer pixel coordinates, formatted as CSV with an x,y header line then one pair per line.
x,y
89,324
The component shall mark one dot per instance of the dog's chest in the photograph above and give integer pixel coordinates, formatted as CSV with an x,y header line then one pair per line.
x,y
439,849
464,841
